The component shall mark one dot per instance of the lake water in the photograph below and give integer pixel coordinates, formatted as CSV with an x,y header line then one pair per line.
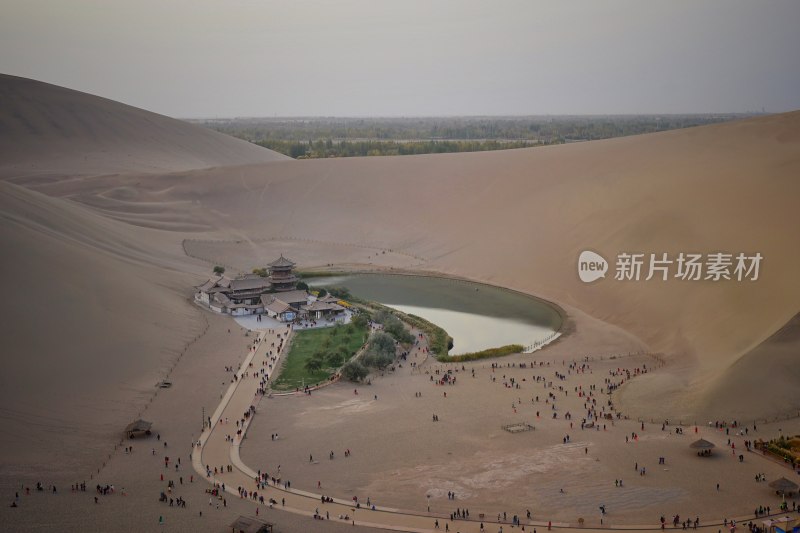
x,y
476,316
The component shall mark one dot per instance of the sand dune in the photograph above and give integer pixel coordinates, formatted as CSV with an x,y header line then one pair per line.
x,y
89,325
769,371
47,130
520,219
97,280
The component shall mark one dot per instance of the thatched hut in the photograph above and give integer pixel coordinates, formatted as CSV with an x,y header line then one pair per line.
x,y
784,486
246,524
703,446
138,426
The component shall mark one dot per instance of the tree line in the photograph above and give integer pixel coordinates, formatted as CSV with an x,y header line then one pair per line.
x,y
328,148
544,129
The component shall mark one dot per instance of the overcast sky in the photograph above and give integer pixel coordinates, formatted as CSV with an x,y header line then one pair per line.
x,y
224,58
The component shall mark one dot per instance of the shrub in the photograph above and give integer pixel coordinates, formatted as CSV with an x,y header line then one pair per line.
x,y
340,292
382,342
381,316
393,326
380,351
397,330
375,359
359,321
334,359
314,363
354,371
483,354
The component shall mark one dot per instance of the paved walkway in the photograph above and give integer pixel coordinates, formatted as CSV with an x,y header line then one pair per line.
x,y
215,450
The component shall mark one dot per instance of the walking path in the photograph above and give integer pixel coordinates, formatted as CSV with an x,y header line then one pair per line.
x,y
213,449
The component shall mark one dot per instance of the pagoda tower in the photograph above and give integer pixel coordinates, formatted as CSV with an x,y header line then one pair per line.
x,y
280,274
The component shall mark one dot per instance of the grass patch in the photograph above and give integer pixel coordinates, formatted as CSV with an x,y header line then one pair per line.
x,y
439,342
483,354
331,346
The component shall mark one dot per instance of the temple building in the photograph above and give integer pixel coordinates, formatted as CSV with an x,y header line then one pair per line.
x,y
281,276
238,296
274,296
324,307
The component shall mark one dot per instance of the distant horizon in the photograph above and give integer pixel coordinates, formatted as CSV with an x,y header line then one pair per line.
x,y
357,58
521,116
414,116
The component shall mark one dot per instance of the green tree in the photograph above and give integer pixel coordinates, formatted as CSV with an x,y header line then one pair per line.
x,y
393,326
359,321
381,316
219,270
340,354
354,371
340,292
382,342
334,359
313,363
297,150
380,351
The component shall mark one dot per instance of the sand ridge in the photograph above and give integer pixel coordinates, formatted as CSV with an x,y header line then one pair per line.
x,y
48,131
99,282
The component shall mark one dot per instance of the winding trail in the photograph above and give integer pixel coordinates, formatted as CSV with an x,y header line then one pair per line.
x,y
215,450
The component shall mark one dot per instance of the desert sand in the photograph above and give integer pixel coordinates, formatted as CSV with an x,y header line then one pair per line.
x,y
48,130
414,462
111,214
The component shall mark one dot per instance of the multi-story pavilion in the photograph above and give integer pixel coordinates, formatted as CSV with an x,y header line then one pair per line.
x,y
281,276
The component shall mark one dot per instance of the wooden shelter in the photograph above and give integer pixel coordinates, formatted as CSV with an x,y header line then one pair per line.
x,y
138,426
245,524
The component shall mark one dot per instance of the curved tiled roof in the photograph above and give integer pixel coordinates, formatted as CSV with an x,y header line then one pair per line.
x,y
281,262
249,283
273,304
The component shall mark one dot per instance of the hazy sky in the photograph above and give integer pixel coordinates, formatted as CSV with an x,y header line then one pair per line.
x,y
218,58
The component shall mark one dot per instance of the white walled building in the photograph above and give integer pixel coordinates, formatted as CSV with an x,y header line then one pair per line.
x,y
252,294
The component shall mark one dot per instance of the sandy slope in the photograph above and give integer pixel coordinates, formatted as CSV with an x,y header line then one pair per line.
x,y
520,219
770,371
47,130
87,327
